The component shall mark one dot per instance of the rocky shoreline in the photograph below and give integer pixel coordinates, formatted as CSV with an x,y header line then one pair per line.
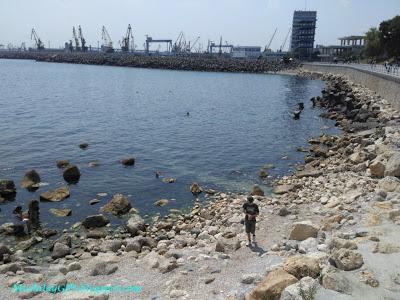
x,y
187,63
330,231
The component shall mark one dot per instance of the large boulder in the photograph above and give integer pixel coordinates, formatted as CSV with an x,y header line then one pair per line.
x,y
333,279
302,266
272,286
60,250
118,205
377,169
393,165
257,191
195,189
95,221
55,195
31,180
135,224
306,288
346,259
303,230
71,174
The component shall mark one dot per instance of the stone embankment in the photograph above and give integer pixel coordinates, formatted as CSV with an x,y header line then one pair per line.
x,y
188,63
330,231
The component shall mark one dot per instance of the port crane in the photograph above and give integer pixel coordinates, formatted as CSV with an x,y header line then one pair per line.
x,y
284,42
76,39
107,45
82,39
270,41
179,44
150,40
191,45
38,42
126,40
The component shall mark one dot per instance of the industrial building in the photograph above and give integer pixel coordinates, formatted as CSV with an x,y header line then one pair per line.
x,y
303,33
349,45
246,52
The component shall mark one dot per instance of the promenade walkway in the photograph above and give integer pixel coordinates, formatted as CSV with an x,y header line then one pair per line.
x,y
393,71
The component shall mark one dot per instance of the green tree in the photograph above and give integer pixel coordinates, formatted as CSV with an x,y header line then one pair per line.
x,y
390,36
373,43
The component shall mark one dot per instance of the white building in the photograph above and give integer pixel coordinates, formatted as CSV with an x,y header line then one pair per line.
x,y
246,52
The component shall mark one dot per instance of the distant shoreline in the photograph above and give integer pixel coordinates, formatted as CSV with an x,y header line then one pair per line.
x,y
184,63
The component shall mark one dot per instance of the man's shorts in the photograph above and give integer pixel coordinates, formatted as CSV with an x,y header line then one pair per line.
x,y
250,226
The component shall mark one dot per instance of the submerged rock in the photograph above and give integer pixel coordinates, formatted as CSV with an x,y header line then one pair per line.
x,y
95,221
118,205
83,146
128,161
161,202
169,180
55,195
31,180
64,212
71,174
195,189
7,188
61,164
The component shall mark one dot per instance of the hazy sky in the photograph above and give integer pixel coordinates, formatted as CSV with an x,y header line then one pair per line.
x,y
240,22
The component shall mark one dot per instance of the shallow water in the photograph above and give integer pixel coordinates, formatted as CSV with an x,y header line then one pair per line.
x,y
237,124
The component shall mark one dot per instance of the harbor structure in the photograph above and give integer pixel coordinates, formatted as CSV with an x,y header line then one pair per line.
x,y
246,52
303,33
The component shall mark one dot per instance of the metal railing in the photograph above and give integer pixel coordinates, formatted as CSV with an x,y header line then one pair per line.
x,y
390,70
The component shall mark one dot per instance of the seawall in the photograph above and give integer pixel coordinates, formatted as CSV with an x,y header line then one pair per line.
x,y
386,86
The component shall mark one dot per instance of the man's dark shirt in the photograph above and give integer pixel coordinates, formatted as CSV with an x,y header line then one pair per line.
x,y
251,209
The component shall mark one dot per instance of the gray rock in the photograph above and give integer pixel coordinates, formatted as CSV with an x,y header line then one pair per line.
x,y
75,266
338,243
60,250
56,283
306,288
103,268
249,278
95,221
12,267
135,224
332,279
284,212
167,265
393,165
219,247
347,260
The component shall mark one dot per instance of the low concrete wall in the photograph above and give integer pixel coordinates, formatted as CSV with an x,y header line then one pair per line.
x,y
386,86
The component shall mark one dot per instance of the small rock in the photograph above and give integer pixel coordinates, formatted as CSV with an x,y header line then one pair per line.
x,y
95,221
83,146
55,195
118,205
284,212
61,164
60,250
129,161
303,230
65,212
161,202
195,189
103,268
347,260
31,180
368,278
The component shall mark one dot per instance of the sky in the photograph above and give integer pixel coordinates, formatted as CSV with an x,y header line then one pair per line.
x,y
239,22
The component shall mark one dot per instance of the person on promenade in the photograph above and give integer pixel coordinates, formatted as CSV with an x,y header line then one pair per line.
x,y
251,211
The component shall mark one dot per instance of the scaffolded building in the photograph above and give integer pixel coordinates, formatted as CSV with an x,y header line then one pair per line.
x,y
303,33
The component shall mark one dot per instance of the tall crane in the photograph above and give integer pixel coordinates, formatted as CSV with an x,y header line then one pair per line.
x,y
180,43
126,40
107,45
270,41
38,42
76,39
191,45
83,41
284,42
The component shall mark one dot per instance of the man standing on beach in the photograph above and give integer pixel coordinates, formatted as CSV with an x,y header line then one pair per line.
x,y
251,212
